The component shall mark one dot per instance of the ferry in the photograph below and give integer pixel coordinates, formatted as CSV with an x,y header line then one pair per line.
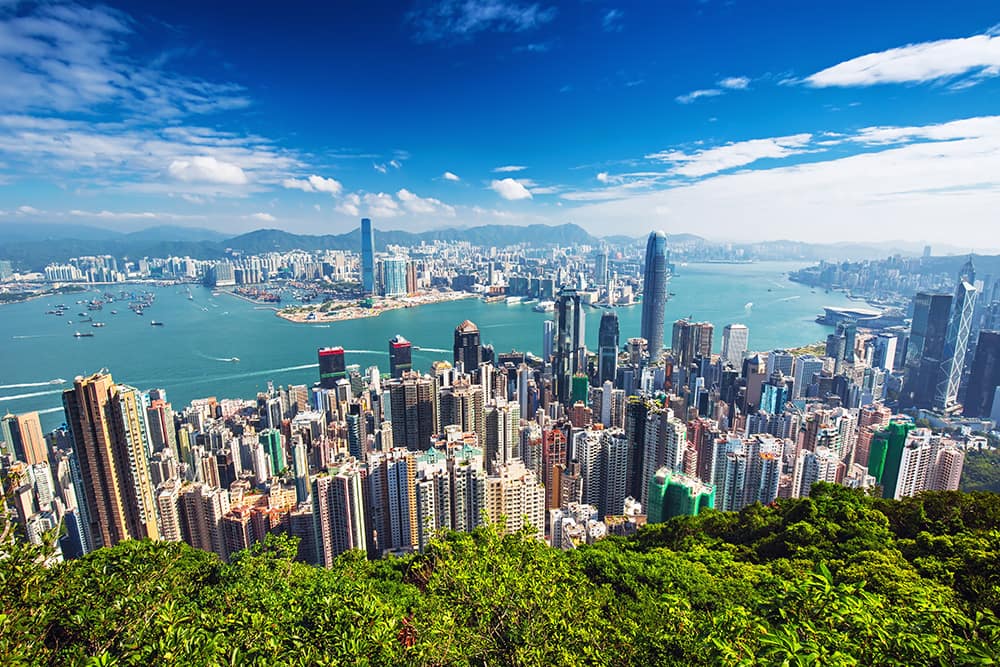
x,y
97,324
85,334
512,300
544,307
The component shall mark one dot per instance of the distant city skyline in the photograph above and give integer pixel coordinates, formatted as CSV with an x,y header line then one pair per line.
x,y
878,125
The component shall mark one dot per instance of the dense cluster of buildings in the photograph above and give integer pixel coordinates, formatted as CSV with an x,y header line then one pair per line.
x,y
573,444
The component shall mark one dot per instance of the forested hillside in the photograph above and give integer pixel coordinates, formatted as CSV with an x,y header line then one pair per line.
x,y
836,579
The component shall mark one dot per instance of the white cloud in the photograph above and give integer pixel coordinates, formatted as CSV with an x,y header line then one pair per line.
x,y
263,217
132,215
951,172
380,167
350,205
509,168
207,169
395,164
978,55
603,177
698,94
735,82
329,185
462,19
297,184
736,154
510,189
423,205
28,210
381,205
449,176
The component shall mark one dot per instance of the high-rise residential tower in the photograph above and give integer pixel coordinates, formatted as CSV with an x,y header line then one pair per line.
x,y
108,423
607,347
23,435
367,257
654,292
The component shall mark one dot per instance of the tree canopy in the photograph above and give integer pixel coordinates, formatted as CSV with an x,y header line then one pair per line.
x,y
839,578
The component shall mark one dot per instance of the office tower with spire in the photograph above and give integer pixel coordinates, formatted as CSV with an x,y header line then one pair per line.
x,y
654,293
400,356
467,349
569,356
108,423
735,341
607,347
367,257
963,305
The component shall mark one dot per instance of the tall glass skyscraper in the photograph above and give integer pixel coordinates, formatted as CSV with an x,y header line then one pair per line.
x,y
570,349
367,257
963,305
654,292
607,346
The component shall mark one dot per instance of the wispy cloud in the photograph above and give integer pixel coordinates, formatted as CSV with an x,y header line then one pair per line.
x,y
424,205
697,95
508,168
977,56
735,82
612,20
736,154
443,20
66,57
510,189
449,176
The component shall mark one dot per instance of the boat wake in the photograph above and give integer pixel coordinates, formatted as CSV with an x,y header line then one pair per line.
x,y
17,397
25,385
365,352
430,349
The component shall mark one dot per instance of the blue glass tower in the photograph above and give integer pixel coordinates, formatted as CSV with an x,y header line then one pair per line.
x,y
654,292
367,257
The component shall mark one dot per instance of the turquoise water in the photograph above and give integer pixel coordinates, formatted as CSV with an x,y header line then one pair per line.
x,y
188,356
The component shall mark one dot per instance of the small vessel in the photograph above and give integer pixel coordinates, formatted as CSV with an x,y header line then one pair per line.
x,y
154,323
511,300
85,334
235,360
114,312
57,381
544,307
97,324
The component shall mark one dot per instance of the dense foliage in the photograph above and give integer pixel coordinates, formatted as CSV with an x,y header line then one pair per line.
x,y
981,471
835,579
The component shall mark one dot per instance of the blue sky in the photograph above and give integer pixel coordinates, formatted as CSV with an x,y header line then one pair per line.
x,y
838,121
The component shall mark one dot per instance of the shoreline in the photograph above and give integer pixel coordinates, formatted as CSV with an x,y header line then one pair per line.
x,y
353,312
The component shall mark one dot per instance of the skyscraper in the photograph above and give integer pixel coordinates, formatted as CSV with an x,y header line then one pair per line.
x,y
411,401
400,356
985,377
367,257
735,340
23,435
569,356
332,366
654,292
467,347
886,455
691,340
110,436
601,267
394,276
925,351
338,512
963,305
607,347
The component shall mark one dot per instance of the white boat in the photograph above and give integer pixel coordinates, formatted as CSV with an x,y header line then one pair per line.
x,y
511,300
544,307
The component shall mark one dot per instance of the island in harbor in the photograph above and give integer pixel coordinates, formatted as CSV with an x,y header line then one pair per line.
x,y
338,310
